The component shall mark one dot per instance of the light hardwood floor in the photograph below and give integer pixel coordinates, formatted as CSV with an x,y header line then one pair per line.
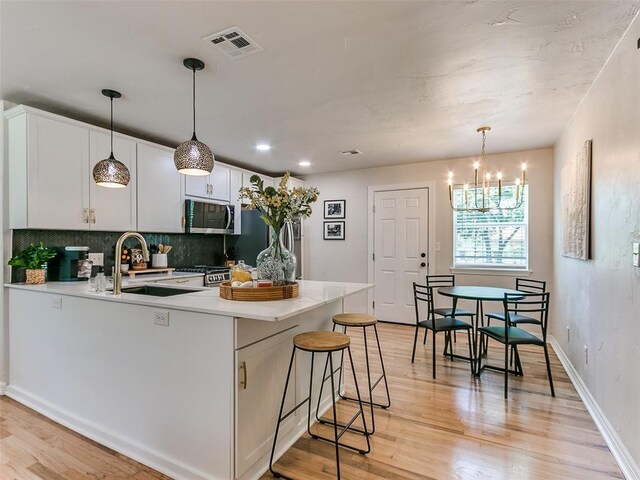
x,y
454,427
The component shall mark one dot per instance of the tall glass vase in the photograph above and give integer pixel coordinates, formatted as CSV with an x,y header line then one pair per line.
x,y
276,262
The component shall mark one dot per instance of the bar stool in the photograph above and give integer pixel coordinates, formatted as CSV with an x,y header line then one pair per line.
x,y
322,342
361,320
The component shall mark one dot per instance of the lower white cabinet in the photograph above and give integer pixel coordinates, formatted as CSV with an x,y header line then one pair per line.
x,y
192,281
159,191
260,379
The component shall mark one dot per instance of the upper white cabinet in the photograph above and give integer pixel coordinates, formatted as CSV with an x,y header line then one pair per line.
x,y
51,160
112,209
160,192
235,185
214,187
48,168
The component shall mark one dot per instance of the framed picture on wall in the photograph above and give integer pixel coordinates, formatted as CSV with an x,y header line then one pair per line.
x,y
334,230
335,208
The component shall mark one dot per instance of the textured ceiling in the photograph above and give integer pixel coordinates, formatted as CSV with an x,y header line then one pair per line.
x,y
401,81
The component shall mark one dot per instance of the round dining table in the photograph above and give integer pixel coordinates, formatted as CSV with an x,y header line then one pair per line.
x,y
479,294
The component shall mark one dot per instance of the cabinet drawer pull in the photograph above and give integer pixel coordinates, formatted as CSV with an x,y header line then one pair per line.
x,y
243,382
182,281
86,215
93,215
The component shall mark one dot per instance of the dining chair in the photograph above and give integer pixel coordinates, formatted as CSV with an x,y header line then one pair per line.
x,y
525,285
512,336
423,294
437,281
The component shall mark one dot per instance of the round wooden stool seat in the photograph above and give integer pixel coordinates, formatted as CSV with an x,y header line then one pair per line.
x,y
354,319
321,341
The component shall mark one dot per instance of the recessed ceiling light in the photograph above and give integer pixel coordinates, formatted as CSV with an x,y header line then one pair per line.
x,y
304,163
263,147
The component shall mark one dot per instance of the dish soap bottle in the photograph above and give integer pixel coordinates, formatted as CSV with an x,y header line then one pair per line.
x,y
101,280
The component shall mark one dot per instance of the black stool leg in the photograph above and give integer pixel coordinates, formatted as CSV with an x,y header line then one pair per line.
x,y
275,437
384,372
335,415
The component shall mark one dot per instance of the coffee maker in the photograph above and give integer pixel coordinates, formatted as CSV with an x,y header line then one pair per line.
x,y
71,264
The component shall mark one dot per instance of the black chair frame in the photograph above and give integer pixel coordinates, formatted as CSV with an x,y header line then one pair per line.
x,y
422,293
512,336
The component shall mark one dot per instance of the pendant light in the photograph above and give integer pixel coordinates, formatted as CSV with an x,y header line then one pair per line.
x,y
479,197
193,157
111,172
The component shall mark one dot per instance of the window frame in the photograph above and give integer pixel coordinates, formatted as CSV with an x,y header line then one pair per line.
x,y
497,269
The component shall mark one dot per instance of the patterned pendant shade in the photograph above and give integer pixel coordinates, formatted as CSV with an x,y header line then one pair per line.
x,y
110,172
193,157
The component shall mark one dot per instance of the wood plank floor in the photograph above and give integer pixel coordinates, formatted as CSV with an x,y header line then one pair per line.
x,y
452,428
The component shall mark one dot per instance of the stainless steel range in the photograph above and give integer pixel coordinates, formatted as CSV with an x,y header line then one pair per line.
x,y
213,276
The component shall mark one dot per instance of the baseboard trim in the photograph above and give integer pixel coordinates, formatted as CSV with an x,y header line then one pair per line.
x,y
625,461
140,453
3,388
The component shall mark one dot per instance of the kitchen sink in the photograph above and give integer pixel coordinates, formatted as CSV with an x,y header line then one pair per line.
x,y
157,291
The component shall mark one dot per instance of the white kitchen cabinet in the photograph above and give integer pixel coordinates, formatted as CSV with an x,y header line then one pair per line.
x,y
48,170
260,380
293,182
51,185
181,281
159,191
214,187
246,182
112,209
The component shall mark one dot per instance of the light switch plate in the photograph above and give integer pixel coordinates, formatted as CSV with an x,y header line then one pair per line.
x,y
437,246
97,259
635,258
161,318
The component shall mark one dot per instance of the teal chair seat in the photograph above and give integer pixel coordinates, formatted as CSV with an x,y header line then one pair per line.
x,y
444,324
514,318
516,335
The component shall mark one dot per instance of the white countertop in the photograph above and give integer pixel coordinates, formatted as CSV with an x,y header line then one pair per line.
x,y
313,294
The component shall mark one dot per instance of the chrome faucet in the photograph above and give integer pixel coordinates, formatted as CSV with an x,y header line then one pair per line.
x,y
117,274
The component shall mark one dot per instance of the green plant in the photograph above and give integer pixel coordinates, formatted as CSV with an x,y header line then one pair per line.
x,y
33,257
278,205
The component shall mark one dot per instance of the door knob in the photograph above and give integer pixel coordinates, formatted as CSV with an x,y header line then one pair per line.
x,y
423,254
423,264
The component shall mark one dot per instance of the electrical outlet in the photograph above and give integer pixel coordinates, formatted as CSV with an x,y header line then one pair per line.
x,y
635,256
161,318
586,355
568,335
97,259
56,303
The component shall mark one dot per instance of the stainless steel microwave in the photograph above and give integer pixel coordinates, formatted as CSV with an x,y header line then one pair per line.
x,y
202,217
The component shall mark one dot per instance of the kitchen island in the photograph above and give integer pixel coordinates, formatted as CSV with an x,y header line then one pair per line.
x,y
189,384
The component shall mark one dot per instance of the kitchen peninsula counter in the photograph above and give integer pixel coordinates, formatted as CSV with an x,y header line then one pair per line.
x,y
189,385
207,300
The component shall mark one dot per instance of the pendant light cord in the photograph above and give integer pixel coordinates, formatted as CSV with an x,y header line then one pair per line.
x,y
194,104
112,126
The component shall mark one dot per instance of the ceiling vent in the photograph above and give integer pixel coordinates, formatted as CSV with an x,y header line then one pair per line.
x,y
234,43
348,153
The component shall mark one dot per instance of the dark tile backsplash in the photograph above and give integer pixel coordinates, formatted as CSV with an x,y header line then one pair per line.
x,y
188,249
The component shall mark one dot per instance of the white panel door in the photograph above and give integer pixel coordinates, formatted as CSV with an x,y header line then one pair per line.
x,y
197,185
261,374
58,157
112,209
400,249
159,191
220,183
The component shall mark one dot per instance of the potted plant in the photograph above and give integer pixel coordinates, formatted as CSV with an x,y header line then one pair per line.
x,y
33,259
278,205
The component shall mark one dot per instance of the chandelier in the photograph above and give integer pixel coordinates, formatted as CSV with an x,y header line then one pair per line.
x,y
481,196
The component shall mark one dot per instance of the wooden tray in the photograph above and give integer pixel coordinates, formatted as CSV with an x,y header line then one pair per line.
x,y
259,294
133,273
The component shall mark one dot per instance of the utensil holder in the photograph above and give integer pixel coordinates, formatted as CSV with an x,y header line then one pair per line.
x,y
159,260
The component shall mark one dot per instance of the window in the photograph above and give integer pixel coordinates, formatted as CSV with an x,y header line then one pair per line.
x,y
496,239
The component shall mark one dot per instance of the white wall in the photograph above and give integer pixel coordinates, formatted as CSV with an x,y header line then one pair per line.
x,y
348,260
600,299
